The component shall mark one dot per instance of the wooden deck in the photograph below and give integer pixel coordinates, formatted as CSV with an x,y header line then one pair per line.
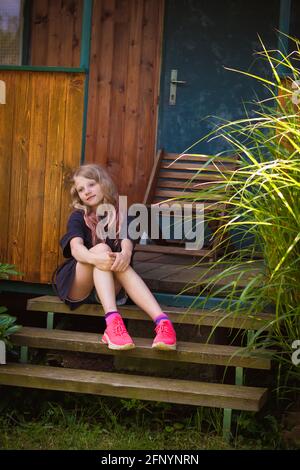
x,y
174,274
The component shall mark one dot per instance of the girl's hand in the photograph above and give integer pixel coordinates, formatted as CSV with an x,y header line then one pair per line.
x,y
104,261
121,262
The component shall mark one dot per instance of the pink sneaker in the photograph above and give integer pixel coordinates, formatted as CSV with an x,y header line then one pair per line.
x,y
165,338
116,335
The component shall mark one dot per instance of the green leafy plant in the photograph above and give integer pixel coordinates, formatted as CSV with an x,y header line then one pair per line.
x,y
7,322
7,327
6,270
264,214
265,430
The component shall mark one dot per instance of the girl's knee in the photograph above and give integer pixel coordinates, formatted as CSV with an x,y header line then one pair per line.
x,y
100,248
118,274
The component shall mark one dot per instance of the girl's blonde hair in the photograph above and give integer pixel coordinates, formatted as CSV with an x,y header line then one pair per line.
x,y
110,196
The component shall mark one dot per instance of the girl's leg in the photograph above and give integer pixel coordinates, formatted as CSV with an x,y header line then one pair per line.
x,y
87,276
115,334
84,280
165,338
139,292
106,285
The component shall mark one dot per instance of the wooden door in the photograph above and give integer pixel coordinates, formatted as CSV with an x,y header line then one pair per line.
x,y
201,38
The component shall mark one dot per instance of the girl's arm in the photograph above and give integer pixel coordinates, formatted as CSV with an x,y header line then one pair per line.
x,y
80,252
127,246
83,255
122,259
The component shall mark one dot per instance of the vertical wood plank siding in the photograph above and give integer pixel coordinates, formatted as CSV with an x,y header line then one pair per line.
x,y
126,43
123,90
56,32
6,152
41,133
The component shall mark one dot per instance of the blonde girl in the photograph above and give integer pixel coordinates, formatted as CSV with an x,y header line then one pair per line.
x,y
95,261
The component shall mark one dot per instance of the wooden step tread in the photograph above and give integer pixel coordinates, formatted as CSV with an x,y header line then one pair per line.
x,y
186,352
172,250
205,317
133,386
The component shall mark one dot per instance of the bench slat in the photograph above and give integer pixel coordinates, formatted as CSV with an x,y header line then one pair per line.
x,y
168,194
190,176
217,167
192,187
133,386
198,158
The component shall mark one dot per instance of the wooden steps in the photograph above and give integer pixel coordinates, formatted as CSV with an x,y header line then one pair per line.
x,y
175,274
204,317
197,353
126,385
175,250
133,386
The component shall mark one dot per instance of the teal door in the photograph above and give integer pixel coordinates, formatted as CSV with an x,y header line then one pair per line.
x,y
201,37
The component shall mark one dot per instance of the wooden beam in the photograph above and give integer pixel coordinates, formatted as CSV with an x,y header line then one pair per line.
x,y
196,353
134,386
205,317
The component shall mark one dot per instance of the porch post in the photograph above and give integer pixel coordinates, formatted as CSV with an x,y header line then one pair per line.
x,y
86,34
85,62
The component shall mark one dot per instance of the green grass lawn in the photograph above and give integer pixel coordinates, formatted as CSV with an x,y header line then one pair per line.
x,y
85,436
32,419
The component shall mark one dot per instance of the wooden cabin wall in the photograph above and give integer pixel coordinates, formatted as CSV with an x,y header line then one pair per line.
x,y
123,90
56,32
125,61
41,135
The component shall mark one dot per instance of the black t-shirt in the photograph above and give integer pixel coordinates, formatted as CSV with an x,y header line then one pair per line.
x,y
76,227
63,276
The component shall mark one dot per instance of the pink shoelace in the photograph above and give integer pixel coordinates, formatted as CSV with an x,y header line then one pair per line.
x,y
164,327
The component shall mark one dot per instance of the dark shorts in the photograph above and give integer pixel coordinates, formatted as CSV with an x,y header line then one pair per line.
x,y
90,299
62,281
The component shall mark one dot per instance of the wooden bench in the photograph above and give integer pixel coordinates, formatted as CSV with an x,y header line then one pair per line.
x,y
181,180
227,396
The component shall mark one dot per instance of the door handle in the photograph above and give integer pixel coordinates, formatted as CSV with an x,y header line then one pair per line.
x,y
173,86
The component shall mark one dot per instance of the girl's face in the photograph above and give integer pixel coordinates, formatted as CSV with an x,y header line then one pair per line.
x,y
89,191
